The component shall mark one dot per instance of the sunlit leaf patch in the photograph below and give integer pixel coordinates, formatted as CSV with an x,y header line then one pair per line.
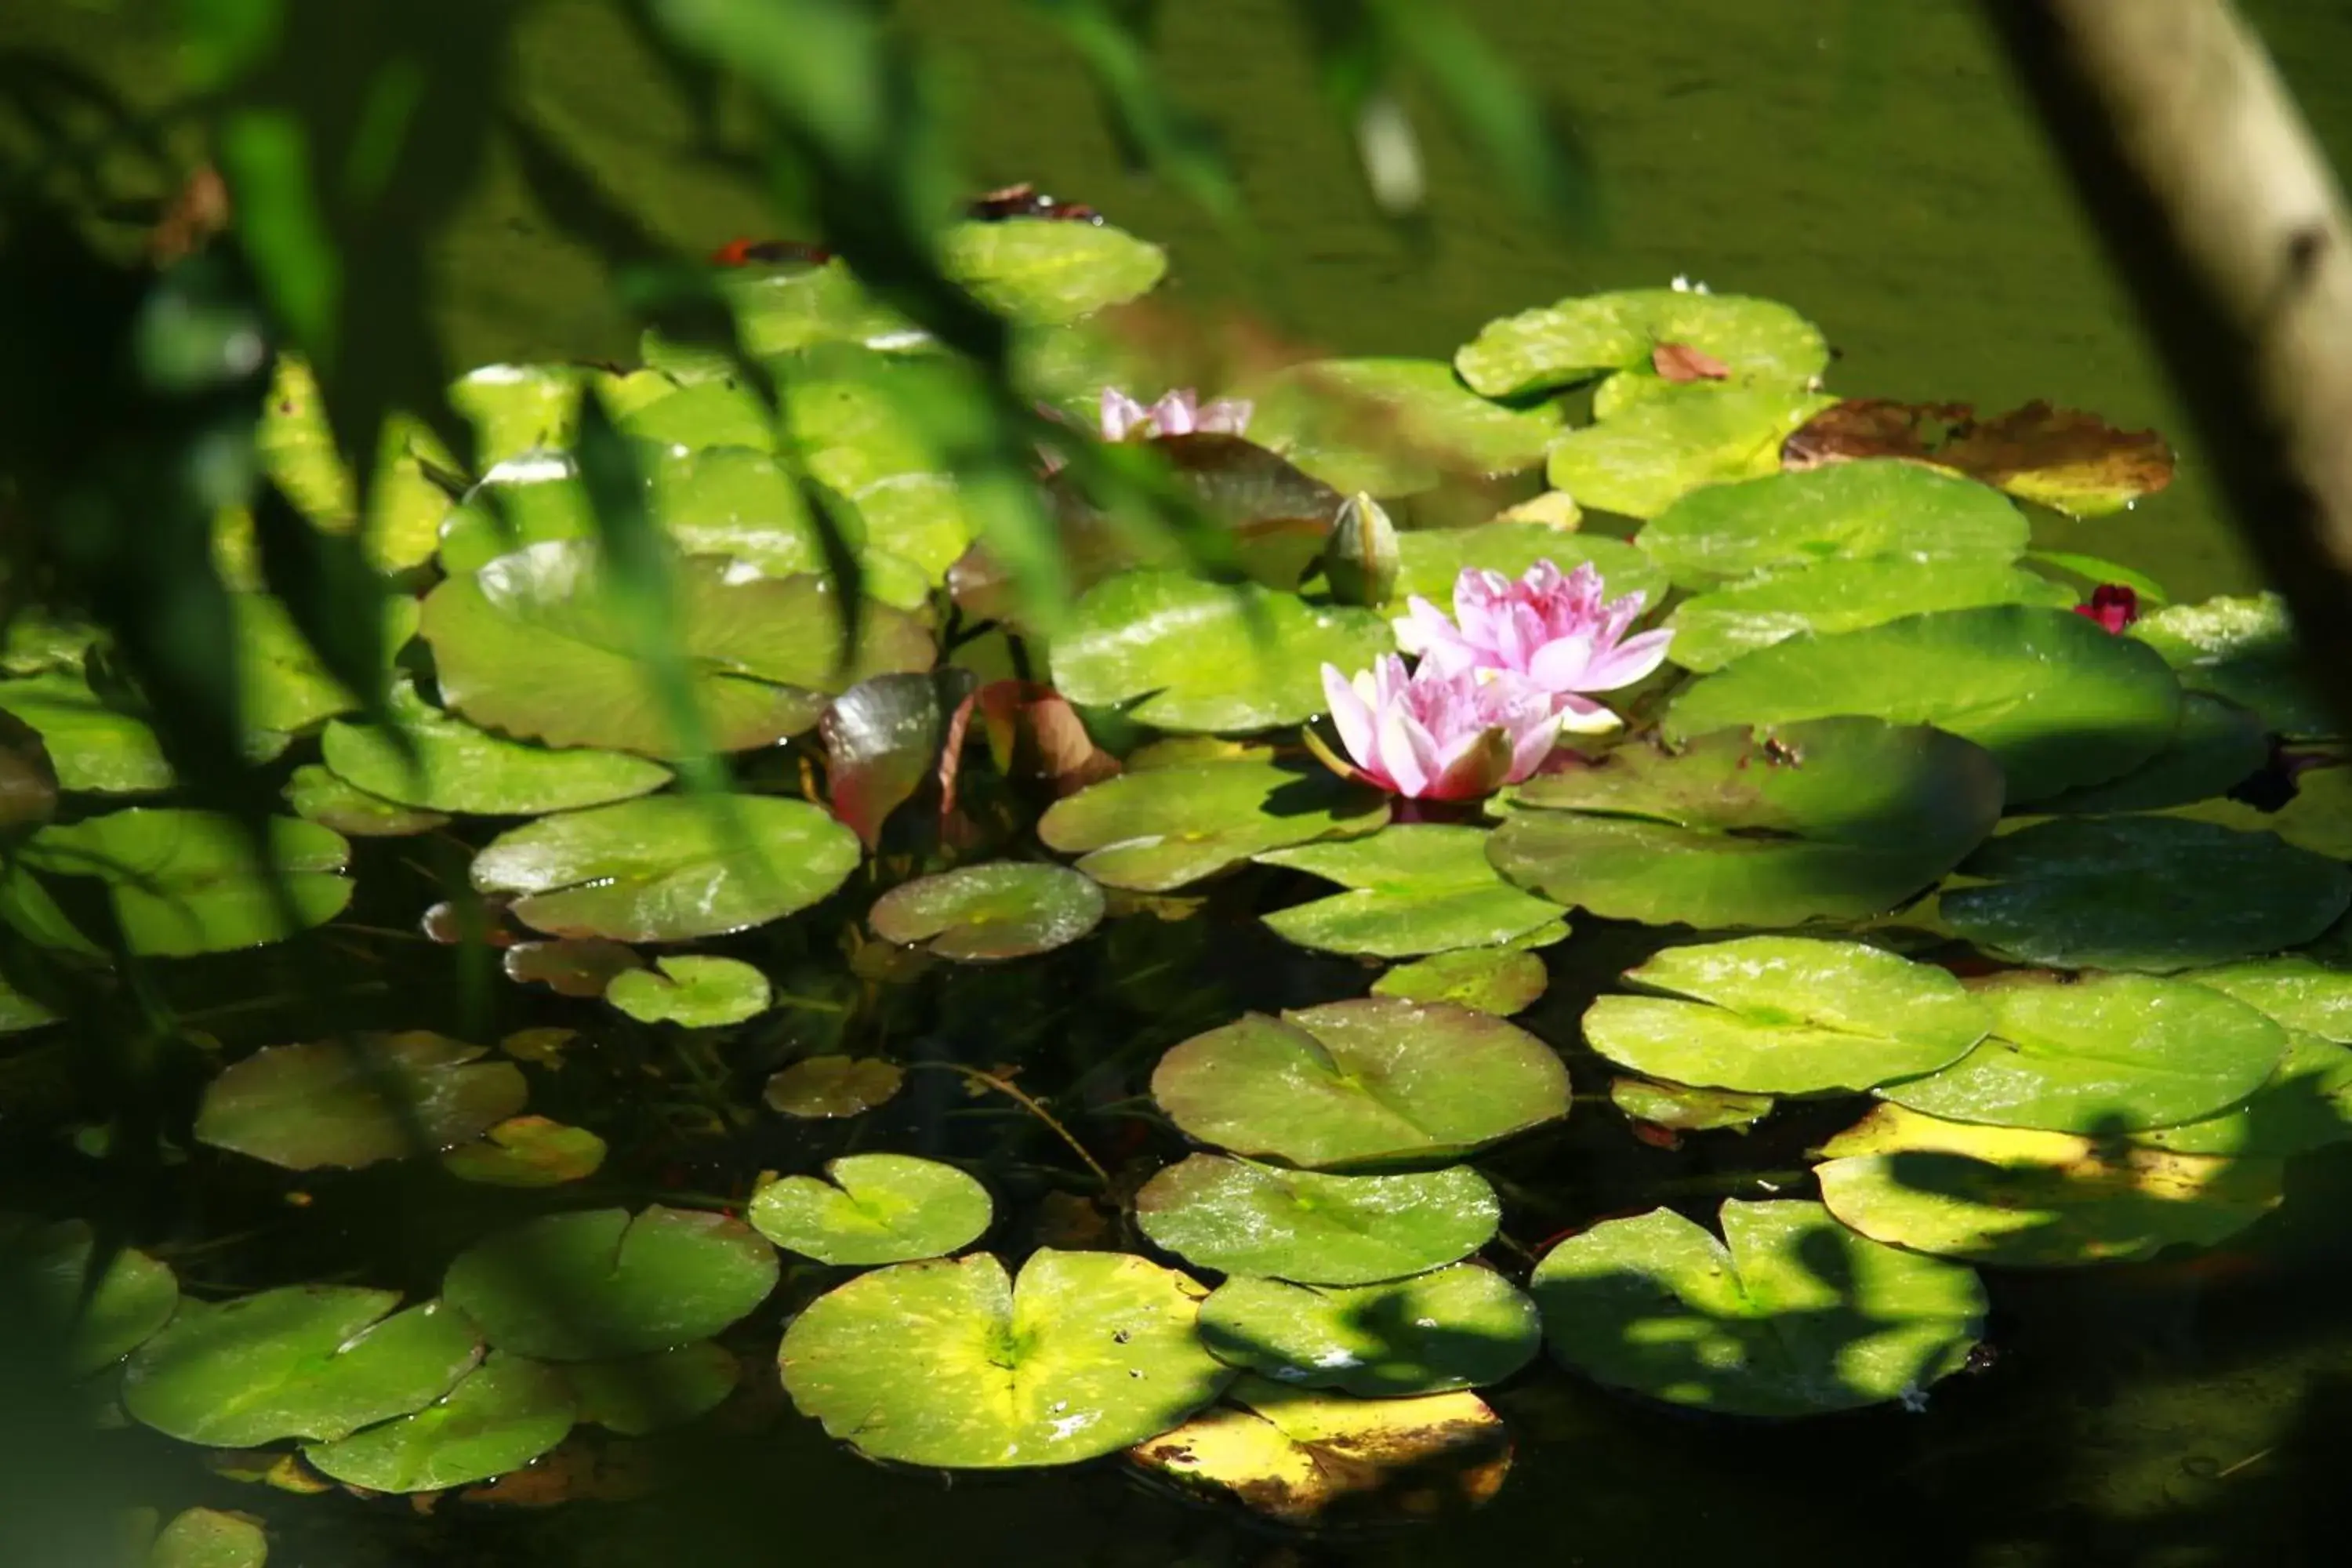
x,y
990,913
1157,829
1497,980
1456,1327
699,990
873,1209
1414,889
1241,1217
354,1101
500,1416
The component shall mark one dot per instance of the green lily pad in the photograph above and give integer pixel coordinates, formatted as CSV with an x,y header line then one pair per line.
x,y
2016,1197
317,795
1497,980
97,1326
1043,273
1682,1108
1892,514
2059,700
2214,748
284,690
1241,1217
532,498
184,881
2305,1104
599,1283
651,1393
785,310
948,1363
1430,561
297,450
982,914
2301,994
1717,628
1790,1314
703,413
1651,455
535,643
505,1414
527,1152
1460,1327
2143,893
1198,655
461,768
1554,345
1780,1014
2244,649
208,1538
1153,830
695,990
2318,817
1835,817
94,747
2101,1054
834,1086
873,1209
348,1104
1354,1082
1392,426
519,407
669,869
1416,889
302,1360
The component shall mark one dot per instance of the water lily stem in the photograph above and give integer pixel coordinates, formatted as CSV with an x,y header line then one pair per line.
x,y
1005,1088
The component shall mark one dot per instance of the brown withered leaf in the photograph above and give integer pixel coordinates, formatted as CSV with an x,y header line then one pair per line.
x,y
2062,458
571,966
29,784
881,739
1035,733
1680,361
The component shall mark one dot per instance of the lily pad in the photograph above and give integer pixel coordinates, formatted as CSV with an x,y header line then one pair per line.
x,y
1682,1108
1554,345
1240,1218
2215,748
1717,628
97,1324
2143,893
669,869
2102,1054
883,739
1394,427
302,1360
1043,273
185,882
1888,513
1417,889
94,746
2318,817
599,1283
1153,830
575,966
461,768
697,414
695,990
651,1393
785,310
979,914
2305,1104
1198,655
1324,1460
527,1152
2059,700
1354,1082
208,1538
2244,649
1790,1314
873,1209
1659,451
1459,1327
950,1363
2021,1198
538,645
284,690
1835,817
1779,1014
1497,980
505,1414
2058,457
1430,561
317,795
834,1086
348,1104
519,407
2301,994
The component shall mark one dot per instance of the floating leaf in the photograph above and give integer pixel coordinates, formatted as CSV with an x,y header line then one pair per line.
x,y
1156,829
1779,1015
1043,273
2215,748
1497,980
981,914
93,746
882,739
1459,1327
208,1538
599,1283
1198,655
284,690
2059,458
1788,1314
94,1324
707,412
2058,701
460,768
1432,560
2244,649
785,310
2307,1104
1717,628
2101,1054
834,1086
519,407
873,1209
2301,995
1086,1353
1238,1216
1655,452
1554,345
505,1414
669,869
1354,1082
650,1392
1836,817
527,1152
348,1104
320,796
695,990
1311,1459
2020,1198
185,882
1417,889
2143,893
1682,1108
302,1360
1392,426
2318,817
582,967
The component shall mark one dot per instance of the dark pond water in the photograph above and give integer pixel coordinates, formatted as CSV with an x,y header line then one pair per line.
x,y
1864,164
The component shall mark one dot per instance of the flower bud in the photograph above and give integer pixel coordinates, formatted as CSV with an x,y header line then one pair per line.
x,y
1361,559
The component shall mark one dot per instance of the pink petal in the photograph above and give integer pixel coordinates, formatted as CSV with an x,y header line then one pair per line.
x,y
1475,766
1530,745
1408,756
1227,416
1563,664
1350,716
1582,716
1176,412
1424,627
1628,662
1120,414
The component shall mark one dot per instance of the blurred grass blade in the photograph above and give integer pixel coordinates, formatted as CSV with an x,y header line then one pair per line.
x,y
1112,37
335,597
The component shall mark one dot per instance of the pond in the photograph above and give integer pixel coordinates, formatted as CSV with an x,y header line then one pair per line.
x,y
1874,177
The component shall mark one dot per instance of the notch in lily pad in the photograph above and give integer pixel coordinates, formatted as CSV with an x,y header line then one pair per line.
x,y
1414,888
981,914
873,1209
696,990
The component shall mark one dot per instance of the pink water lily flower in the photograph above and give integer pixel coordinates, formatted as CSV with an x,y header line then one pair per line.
x,y
1556,632
1179,412
1437,736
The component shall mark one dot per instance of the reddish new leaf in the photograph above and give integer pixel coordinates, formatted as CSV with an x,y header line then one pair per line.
x,y
1680,361
2060,458
882,738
